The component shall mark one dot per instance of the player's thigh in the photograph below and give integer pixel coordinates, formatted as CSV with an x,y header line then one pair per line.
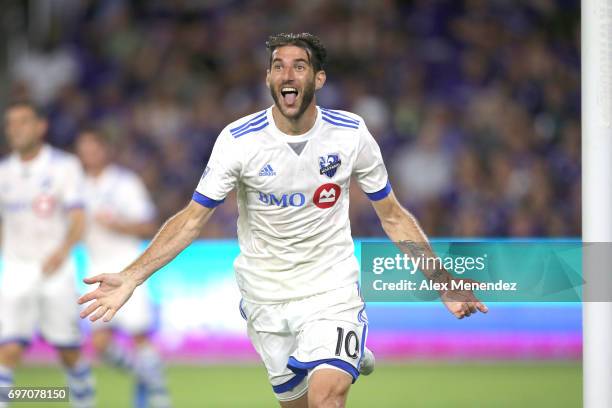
x,y
328,387
301,402
274,344
59,312
136,317
101,338
19,298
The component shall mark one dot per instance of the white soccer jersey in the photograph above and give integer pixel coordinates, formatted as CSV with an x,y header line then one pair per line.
x,y
34,197
117,193
293,226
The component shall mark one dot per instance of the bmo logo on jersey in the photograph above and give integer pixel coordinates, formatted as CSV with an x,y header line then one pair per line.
x,y
285,200
326,195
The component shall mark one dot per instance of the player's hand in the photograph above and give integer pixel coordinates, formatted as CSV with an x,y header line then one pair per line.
x,y
112,293
462,303
54,261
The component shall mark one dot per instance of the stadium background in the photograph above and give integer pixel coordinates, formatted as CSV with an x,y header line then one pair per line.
x,y
475,105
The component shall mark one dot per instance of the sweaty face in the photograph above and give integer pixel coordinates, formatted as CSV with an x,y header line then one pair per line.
x,y
23,128
291,80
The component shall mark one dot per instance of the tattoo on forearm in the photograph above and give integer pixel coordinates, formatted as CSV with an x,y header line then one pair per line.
x,y
423,249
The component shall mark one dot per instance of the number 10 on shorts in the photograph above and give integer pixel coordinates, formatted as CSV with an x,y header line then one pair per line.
x,y
350,343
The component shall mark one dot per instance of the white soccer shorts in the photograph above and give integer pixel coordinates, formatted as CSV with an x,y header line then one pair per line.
x,y
296,337
31,301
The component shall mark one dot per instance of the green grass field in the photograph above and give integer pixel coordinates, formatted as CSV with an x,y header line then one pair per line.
x,y
497,385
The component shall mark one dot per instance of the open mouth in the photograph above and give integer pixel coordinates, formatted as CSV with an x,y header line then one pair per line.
x,y
289,94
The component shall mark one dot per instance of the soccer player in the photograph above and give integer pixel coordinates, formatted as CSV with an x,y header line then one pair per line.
x,y
291,165
119,214
42,215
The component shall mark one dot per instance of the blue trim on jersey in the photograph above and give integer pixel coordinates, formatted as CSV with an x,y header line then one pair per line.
x,y
242,310
246,124
244,132
74,206
379,195
336,112
360,314
205,201
289,385
364,334
250,124
326,119
341,119
300,367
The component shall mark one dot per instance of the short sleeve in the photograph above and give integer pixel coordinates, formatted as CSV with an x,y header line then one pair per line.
x,y
369,168
221,173
137,205
73,185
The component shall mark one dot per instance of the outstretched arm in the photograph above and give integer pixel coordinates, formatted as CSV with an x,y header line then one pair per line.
x,y
402,228
116,288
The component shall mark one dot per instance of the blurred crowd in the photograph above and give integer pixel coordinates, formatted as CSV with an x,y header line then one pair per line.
x,y
475,104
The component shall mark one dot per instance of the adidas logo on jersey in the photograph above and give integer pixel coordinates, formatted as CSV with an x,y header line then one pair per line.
x,y
267,170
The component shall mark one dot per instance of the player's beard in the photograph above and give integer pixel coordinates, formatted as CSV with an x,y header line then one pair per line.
x,y
25,144
307,97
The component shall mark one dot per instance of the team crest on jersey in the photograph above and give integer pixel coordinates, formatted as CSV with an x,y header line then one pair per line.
x,y
44,205
329,164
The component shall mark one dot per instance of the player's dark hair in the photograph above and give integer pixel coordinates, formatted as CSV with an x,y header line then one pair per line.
x,y
24,103
98,134
310,43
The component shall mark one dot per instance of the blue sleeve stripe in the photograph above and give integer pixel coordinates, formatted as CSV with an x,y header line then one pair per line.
x,y
341,119
205,201
289,385
244,132
78,205
240,127
299,367
249,125
380,194
335,112
325,118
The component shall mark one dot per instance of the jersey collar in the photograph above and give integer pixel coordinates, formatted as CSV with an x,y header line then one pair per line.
x,y
294,138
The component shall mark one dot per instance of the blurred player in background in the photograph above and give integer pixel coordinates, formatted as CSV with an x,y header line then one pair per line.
x,y
120,213
41,205
297,272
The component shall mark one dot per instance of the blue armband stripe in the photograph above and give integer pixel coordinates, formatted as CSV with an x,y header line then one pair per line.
x,y
205,201
380,194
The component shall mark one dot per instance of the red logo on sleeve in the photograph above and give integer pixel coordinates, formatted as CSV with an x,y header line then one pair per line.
x,y
327,195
